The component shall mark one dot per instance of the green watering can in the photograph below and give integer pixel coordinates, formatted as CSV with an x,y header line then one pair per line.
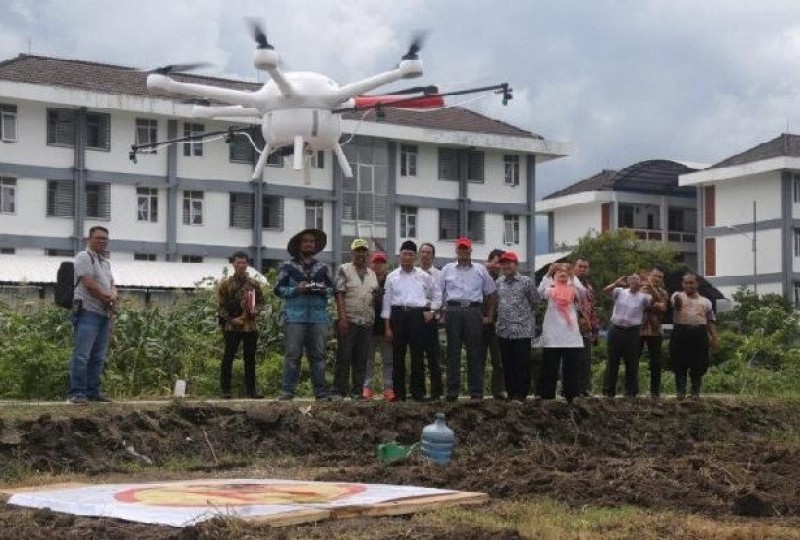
x,y
392,451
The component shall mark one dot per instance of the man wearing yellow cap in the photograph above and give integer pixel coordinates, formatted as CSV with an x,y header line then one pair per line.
x,y
354,287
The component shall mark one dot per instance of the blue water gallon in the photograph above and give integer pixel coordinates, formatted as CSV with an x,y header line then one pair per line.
x,y
437,441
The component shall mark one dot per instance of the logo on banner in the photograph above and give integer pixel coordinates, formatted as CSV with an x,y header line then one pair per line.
x,y
239,494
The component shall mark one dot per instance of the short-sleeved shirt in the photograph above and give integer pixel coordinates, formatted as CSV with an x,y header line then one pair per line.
x,y
651,323
629,307
516,299
465,282
94,265
693,311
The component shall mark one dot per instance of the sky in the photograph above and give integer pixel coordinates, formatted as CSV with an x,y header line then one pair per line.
x,y
620,81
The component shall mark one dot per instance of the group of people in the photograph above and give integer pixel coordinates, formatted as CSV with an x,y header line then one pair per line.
x,y
486,310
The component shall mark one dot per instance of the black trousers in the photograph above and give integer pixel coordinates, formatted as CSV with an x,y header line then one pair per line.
x,y
464,327
623,344
653,344
432,353
408,328
232,340
516,357
351,362
568,358
688,350
491,348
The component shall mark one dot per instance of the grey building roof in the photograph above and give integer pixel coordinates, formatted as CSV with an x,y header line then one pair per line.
x,y
113,79
786,144
656,176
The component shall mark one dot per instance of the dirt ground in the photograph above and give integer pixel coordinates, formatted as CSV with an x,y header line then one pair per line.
x,y
711,457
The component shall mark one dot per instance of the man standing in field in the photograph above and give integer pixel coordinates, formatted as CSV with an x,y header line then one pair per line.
x,y
305,286
652,335
93,306
430,346
239,301
589,324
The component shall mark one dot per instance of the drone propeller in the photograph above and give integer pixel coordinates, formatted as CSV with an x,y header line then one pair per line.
x,y
416,45
179,68
259,34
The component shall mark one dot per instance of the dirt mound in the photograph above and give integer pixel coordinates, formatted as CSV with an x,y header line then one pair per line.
x,y
710,457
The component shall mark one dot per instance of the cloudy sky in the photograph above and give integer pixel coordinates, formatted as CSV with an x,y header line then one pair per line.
x,y
620,80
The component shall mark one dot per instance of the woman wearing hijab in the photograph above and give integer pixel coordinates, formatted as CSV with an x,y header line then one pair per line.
x,y
561,336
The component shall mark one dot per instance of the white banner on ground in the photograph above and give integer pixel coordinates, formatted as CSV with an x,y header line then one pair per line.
x,y
188,502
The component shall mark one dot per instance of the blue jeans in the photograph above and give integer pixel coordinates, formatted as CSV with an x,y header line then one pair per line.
x,y
311,338
91,345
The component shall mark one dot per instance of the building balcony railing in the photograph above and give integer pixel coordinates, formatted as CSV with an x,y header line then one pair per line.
x,y
657,235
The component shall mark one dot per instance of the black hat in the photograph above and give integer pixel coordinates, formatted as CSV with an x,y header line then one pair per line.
x,y
408,245
294,244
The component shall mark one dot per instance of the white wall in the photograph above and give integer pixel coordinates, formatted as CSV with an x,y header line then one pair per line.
x,y
734,199
426,183
735,258
574,222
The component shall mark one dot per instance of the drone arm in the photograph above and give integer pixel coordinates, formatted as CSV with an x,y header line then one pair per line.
x,y
406,70
226,95
199,111
280,81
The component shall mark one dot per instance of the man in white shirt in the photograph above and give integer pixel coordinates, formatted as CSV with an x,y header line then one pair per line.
x,y
466,286
623,336
411,297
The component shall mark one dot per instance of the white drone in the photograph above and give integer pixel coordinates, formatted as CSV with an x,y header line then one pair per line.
x,y
302,110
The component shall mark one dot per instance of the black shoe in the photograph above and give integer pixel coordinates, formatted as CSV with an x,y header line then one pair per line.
x,y
225,395
100,398
285,397
420,399
255,396
451,399
476,398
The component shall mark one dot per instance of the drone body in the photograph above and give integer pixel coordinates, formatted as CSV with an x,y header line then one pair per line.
x,y
296,109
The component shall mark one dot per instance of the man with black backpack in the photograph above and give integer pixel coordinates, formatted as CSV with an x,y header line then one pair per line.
x,y
94,302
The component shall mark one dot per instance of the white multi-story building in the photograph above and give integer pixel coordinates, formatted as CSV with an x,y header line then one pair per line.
x,y
751,200
644,198
66,128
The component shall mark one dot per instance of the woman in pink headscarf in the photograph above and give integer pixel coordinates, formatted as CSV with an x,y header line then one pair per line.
x,y
561,336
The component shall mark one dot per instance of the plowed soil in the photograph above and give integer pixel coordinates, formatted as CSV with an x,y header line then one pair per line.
x,y
711,457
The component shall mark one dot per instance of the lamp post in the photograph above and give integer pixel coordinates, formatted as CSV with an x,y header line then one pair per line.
x,y
754,247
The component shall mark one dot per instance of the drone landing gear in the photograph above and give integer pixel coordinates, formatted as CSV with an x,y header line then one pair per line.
x,y
262,161
346,170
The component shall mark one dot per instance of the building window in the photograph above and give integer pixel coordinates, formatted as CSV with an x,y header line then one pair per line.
x,y
408,222
98,200
476,229
448,164
192,207
625,216
448,224
796,188
146,133
8,123
59,253
240,149
272,213
7,251
511,168
98,131
274,159
61,127
191,258
317,160
408,160
150,257
60,198
475,166
8,189
194,147
147,204
511,229
314,215
797,242
240,215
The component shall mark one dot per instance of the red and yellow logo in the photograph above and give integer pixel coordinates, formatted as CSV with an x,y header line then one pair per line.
x,y
239,494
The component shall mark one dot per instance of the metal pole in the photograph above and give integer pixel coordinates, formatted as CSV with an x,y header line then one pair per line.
x,y
755,252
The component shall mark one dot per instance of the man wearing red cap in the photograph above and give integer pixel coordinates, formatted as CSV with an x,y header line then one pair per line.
x,y
516,300
466,286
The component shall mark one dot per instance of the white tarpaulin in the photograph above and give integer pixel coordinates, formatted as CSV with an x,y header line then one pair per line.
x,y
188,502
